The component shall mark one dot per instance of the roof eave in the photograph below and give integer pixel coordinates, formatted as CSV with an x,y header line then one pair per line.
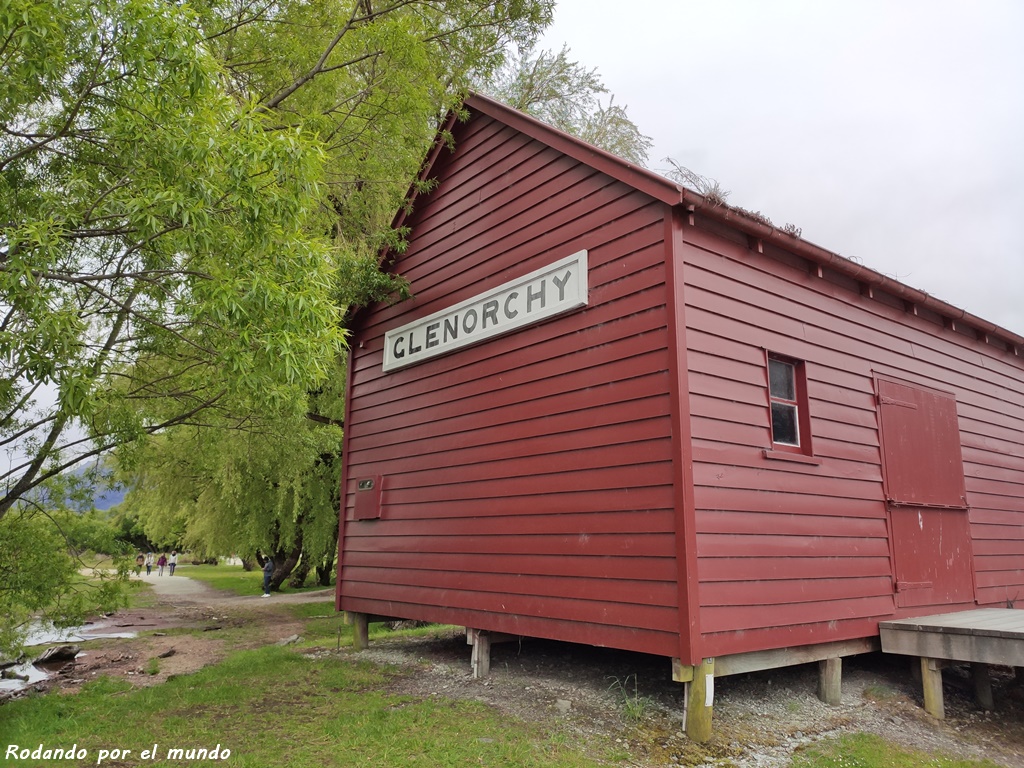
x,y
672,194
635,176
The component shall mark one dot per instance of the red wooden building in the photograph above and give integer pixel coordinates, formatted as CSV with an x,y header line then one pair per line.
x,y
621,414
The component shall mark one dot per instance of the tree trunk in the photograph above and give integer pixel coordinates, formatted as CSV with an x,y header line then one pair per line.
x,y
300,573
284,563
324,571
326,567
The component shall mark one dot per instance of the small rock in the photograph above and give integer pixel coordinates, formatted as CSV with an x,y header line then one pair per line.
x,y
290,640
166,654
563,705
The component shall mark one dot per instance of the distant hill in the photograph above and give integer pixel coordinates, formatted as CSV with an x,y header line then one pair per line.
x,y
109,497
104,495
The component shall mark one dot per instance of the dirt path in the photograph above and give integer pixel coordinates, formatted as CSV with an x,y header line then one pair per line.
x,y
181,590
191,626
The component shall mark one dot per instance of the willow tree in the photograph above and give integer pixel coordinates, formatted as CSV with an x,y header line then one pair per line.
x,y
569,96
182,188
262,485
152,229
382,87
190,194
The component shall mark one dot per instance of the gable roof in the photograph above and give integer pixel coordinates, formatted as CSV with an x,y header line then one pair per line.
x,y
673,194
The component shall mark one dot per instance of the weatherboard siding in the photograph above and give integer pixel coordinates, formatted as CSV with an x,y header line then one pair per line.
x,y
791,553
532,483
528,479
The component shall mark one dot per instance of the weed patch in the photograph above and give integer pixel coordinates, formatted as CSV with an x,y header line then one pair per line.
x,y
862,750
879,692
634,706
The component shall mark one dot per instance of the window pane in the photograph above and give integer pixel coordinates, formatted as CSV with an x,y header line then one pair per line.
x,y
784,429
781,380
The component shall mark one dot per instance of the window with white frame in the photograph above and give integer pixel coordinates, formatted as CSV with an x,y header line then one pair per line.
x,y
787,394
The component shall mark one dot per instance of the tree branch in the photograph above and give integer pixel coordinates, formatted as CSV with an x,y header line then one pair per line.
x,y
319,419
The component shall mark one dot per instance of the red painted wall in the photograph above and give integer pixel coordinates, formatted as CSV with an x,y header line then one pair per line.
x,y
791,553
527,481
536,484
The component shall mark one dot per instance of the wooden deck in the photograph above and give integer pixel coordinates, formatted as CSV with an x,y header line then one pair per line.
x,y
981,637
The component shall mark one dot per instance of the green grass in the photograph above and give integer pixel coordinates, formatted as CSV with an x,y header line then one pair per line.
x,y
92,559
141,595
276,707
323,624
233,578
315,611
863,750
384,632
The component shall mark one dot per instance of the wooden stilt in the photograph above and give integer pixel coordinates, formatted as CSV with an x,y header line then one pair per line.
x,y
830,681
481,660
931,678
982,685
360,630
700,698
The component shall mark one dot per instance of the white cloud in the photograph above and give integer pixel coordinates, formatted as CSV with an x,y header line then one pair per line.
x,y
891,132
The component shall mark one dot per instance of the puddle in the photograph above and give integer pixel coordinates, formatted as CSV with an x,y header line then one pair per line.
x,y
21,676
46,634
33,673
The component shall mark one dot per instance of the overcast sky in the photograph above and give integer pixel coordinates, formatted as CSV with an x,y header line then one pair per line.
x,y
890,132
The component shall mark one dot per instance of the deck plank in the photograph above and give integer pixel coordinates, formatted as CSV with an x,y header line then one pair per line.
x,y
984,635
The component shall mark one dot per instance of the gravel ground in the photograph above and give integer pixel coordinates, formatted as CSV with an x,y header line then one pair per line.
x,y
628,701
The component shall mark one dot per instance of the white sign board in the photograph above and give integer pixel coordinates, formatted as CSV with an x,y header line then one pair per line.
x,y
544,293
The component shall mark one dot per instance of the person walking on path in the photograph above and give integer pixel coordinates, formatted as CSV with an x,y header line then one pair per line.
x,y
268,572
149,563
173,561
160,565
